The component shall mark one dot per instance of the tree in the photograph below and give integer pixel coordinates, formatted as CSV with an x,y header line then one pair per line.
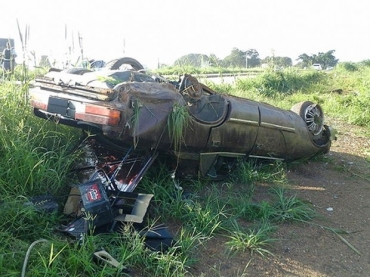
x,y
278,61
214,61
327,59
324,59
196,60
239,58
304,60
235,59
253,58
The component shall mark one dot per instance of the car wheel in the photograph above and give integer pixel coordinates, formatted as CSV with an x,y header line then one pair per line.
x,y
117,63
312,115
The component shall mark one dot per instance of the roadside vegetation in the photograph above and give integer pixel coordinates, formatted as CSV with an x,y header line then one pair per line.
x,y
36,158
179,70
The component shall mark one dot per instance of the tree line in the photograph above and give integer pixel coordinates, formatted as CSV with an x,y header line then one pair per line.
x,y
251,58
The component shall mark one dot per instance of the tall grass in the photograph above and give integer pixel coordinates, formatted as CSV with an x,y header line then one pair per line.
x,y
348,97
36,157
343,93
286,81
177,123
34,153
255,240
180,70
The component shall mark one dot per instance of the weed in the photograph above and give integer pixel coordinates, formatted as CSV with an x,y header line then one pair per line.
x,y
205,218
177,123
271,83
252,211
255,240
290,208
252,171
348,66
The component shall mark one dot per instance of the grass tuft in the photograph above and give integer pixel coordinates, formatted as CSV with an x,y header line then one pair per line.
x,y
254,240
290,208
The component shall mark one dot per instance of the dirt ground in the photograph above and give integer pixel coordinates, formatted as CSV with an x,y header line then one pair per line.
x,y
339,190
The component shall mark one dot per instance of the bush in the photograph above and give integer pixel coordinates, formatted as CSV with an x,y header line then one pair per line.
x,y
286,81
348,66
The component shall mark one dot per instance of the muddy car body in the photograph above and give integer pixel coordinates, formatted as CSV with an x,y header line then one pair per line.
x,y
184,118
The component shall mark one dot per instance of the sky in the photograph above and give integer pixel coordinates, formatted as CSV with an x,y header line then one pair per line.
x,y
153,31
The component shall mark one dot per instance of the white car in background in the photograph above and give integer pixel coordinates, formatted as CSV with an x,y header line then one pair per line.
x,y
317,66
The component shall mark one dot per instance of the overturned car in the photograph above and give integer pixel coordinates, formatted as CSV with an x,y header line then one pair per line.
x,y
140,117
184,118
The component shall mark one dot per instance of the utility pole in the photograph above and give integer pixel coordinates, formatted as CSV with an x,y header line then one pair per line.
x,y
81,47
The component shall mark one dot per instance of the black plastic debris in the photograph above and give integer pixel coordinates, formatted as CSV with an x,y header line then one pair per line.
x,y
77,228
96,205
158,238
44,203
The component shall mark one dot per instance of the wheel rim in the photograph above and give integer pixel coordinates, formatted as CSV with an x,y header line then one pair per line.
x,y
314,118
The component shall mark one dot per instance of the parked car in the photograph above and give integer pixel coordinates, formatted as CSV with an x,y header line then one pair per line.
x,y
317,66
181,118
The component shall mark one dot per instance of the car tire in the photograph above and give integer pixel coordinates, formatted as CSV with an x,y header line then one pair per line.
x,y
312,114
116,63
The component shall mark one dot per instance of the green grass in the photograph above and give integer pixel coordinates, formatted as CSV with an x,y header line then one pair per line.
x,y
179,70
36,158
253,171
255,240
177,123
290,207
287,82
342,93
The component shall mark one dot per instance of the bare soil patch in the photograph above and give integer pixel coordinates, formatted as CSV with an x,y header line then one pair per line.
x,y
339,190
